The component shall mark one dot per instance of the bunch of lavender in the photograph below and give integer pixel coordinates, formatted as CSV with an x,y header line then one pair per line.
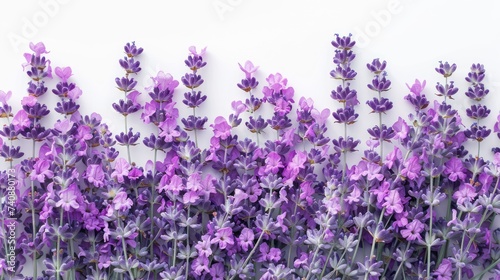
x,y
256,124
344,95
194,99
129,104
380,105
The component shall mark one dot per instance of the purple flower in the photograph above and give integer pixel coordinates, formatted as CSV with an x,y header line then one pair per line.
x,y
38,48
393,203
417,87
193,51
454,169
413,230
21,120
41,169
121,169
63,73
169,130
268,254
246,239
121,202
95,175
273,163
221,128
5,96
203,246
401,129
444,271
164,81
200,265
411,168
68,198
224,237
466,192
217,271
249,69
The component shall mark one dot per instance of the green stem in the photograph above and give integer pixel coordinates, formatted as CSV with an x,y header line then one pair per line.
x,y
402,262
152,203
187,243
372,251
430,227
484,271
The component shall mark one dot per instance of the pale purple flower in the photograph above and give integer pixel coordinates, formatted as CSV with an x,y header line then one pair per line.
x,y
41,170
224,237
5,96
221,128
276,82
29,101
68,199
454,169
63,73
164,81
38,48
393,203
238,107
75,93
149,109
249,69
133,96
413,230
63,126
280,220
401,129
200,265
174,184
466,192
273,163
294,166
193,51
320,117
246,239
95,175
306,104
203,246
121,169
121,202
169,130
354,196
417,87
190,197
302,260
21,120
411,168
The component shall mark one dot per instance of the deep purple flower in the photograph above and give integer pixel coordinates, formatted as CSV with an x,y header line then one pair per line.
x,y
376,67
446,69
444,271
131,50
343,42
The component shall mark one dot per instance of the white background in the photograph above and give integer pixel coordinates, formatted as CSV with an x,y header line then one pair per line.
x,y
290,37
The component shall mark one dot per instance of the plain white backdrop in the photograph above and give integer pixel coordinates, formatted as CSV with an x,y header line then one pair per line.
x,y
290,37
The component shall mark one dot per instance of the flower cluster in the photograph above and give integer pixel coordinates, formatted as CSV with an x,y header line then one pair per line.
x,y
288,208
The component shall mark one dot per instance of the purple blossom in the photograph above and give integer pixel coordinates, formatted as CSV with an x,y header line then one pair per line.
x,y
41,171
95,175
393,203
5,96
121,170
413,230
121,202
401,129
221,128
223,237
248,69
246,239
466,192
444,271
454,169
417,87
411,168
68,198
